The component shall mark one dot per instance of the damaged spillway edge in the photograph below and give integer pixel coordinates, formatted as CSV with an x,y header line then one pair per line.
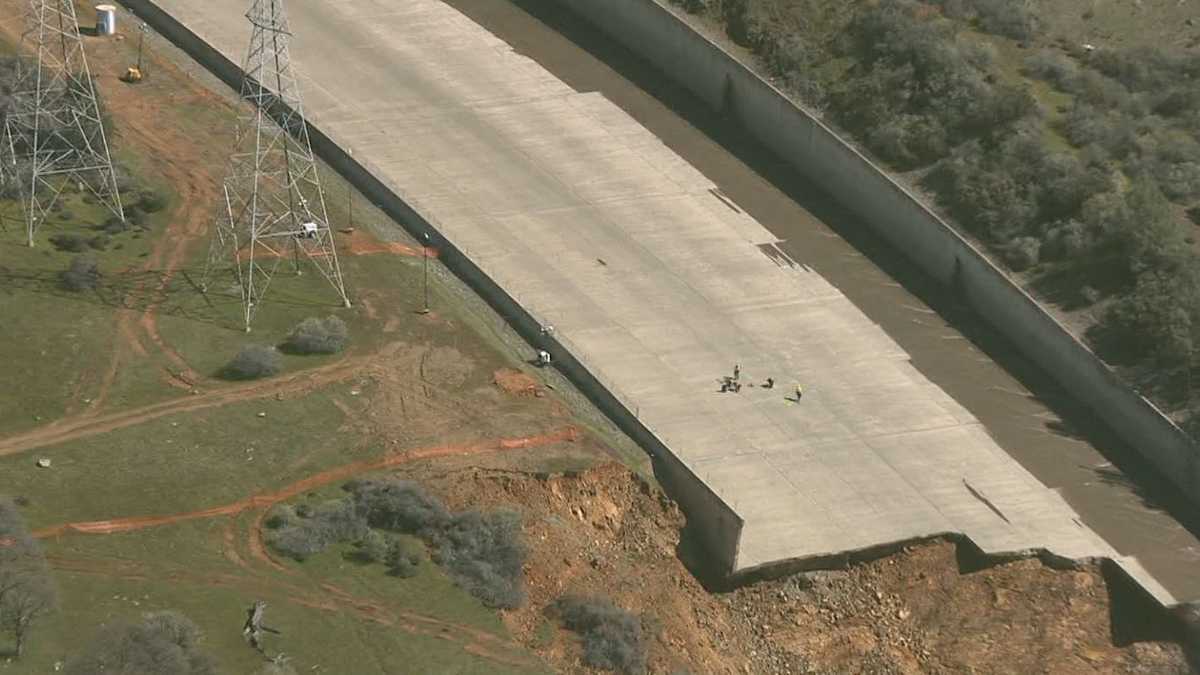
x,y
725,520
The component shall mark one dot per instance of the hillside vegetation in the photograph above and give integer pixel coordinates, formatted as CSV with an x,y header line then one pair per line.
x,y
1076,165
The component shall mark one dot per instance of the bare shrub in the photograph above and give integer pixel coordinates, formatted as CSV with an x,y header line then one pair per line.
x,y
252,362
26,591
317,336
612,637
329,523
398,505
163,643
298,542
485,555
82,274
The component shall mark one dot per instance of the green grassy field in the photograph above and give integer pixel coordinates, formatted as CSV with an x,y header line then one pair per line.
x,y
184,462
335,615
119,388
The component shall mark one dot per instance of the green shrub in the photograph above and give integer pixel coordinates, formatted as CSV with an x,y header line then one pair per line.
x,y
372,547
1158,320
612,637
114,225
1138,229
1065,240
1146,68
135,216
152,202
999,17
82,274
401,561
1022,253
1112,130
72,243
253,362
280,515
981,192
915,90
692,6
1057,69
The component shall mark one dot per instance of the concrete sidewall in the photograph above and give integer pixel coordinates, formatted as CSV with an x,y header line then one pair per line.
x,y
719,527
668,43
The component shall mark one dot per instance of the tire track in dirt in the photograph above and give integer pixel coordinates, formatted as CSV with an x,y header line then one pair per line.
x,y
477,642
141,121
195,187
72,429
268,499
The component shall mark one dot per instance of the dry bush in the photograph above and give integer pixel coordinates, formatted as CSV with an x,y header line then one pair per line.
x,y
163,643
317,336
612,637
484,553
306,535
398,505
26,591
252,362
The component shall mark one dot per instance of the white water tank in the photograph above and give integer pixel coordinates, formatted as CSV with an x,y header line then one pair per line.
x,y
106,20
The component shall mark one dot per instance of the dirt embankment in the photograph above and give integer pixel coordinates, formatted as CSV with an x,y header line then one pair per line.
x,y
606,533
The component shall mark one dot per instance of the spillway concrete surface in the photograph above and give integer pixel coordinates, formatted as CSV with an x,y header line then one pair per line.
x,y
659,285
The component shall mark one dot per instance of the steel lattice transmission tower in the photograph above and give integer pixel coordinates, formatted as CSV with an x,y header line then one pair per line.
x,y
53,134
274,206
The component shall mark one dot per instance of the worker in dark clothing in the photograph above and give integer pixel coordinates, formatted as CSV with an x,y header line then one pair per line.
x,y
770,383
737,371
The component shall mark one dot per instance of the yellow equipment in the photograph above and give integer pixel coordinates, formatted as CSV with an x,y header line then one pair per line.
x,y
133,74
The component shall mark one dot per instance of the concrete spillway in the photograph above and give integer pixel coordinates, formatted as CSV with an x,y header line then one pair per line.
x,y
658,284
